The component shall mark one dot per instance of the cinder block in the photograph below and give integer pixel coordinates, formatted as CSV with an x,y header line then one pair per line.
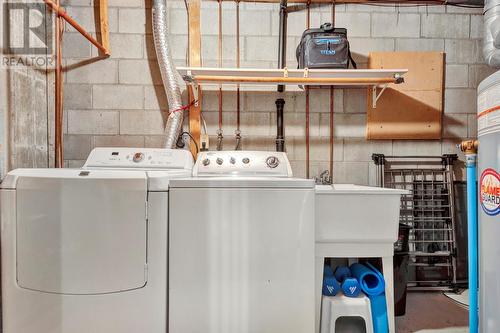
x,y
210,101
295,124
261,48
445,26
472,126
228,123
355,100
210,21
361,150
463,10
74,164
77,147
139,72
77,96
370,8
75,3
117,97
266,101
319,149
75,45
93,122
154,141
476,26
142,122
102,71
126,46
419,44
125,3
134,20
319,100
298,168
252,23
460,101
357,23
155,98
210,48
478,73
85,17
390,25
455,126
361,47
118,141
416,147
457,76
266,143
256,124
465,51
345,125
178,21
350,173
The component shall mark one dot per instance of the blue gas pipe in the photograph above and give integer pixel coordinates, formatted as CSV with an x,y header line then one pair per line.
x,y
470,150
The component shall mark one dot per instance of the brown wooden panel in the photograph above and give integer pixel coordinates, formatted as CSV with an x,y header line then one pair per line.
x,y
412,110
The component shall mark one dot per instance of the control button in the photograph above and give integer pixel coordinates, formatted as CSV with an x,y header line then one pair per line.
x,y
246,160
138,157
232,160
272,162
219,160
205,162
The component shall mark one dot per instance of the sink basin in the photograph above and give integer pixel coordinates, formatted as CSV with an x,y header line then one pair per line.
x,y
349,213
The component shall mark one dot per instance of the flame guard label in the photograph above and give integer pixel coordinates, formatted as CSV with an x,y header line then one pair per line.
x,y
489,195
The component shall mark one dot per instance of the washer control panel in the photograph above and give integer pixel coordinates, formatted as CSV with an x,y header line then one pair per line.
x,y
242,163
139,158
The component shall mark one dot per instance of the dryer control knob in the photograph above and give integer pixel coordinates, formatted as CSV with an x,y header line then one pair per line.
x,y
205,162
232,160
219,160
245,160
272,162
138,157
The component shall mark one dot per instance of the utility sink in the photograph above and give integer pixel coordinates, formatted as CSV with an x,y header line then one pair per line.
x,y
348,213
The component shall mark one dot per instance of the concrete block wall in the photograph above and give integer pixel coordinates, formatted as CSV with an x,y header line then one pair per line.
x,y
120,101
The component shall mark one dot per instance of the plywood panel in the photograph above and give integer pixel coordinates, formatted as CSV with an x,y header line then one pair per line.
x,y
412,110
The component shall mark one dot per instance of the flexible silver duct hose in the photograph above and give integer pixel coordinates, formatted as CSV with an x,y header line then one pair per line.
x,y
491,42
168,72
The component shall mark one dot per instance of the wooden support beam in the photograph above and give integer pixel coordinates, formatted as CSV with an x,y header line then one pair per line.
x,y
193,8
373,2
103,24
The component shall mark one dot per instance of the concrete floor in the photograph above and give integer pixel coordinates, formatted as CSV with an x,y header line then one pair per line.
x,y
432,312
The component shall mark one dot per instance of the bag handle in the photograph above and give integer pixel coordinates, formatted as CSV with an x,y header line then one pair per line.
x,y
327,27
351,60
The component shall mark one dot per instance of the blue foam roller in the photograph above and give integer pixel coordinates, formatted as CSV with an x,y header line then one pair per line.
x,y
379,313
342,272
350,287
327,271
371,283
330,286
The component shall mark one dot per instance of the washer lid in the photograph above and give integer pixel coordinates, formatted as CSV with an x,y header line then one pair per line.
x,y
81,232
241,182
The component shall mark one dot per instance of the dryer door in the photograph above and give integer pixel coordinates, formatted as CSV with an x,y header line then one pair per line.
x,y
82,232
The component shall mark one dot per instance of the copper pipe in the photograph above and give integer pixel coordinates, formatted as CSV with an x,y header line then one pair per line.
x,y
58,116
62,13
308,22
292,80
238,101
332,105
219,132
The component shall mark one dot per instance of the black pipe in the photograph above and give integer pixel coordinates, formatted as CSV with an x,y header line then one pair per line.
x,y
282,39
280,136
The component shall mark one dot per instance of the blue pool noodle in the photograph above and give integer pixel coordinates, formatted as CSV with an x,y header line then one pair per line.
x,y
330,286
373,285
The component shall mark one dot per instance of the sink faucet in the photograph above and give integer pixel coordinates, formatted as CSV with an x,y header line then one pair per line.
x,y
324,178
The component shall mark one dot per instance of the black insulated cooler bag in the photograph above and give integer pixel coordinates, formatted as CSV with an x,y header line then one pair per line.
x,y
326,47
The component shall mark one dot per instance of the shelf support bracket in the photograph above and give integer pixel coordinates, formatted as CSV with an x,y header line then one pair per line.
x,y
376,94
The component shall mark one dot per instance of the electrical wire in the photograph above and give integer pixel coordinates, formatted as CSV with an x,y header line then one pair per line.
x,y
180,142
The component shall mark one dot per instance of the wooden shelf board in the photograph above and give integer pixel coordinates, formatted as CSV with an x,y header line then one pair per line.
x,y
316,77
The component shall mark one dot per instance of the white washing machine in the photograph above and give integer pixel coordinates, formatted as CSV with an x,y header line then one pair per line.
x,y
241,246
85,250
